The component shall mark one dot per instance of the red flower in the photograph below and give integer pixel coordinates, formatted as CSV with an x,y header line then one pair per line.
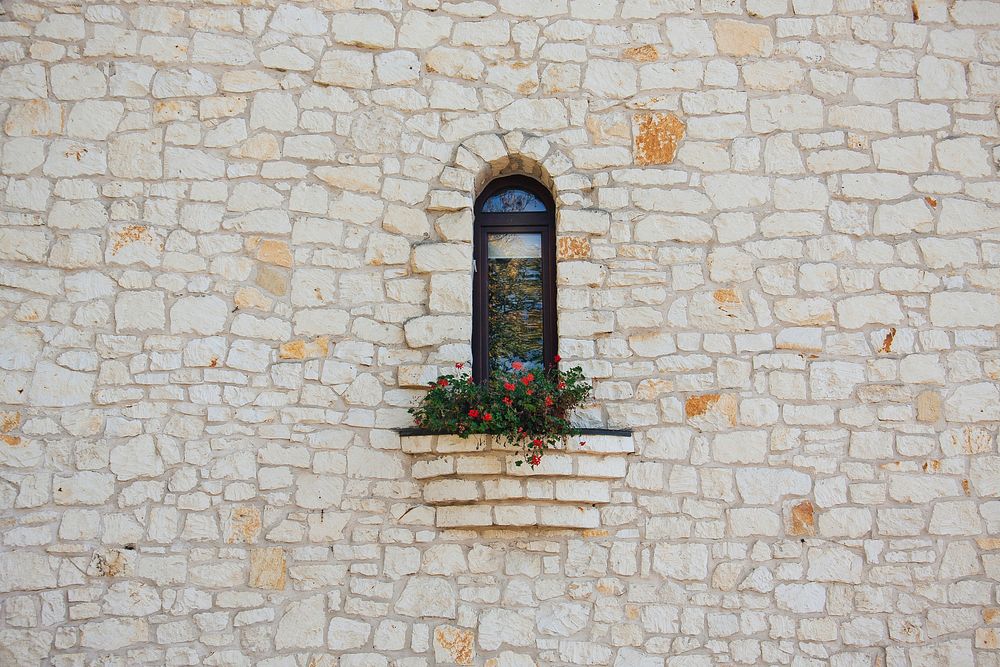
x,y
517,365
487,417
549,402
507,400
459,365
535,459
530,392
473,413
561,385
509,386
557,358
443,382
526,380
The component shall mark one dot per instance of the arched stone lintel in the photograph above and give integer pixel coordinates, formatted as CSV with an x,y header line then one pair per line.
x,y
491,155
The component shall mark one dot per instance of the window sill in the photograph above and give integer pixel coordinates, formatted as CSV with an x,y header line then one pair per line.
x,y
620,432
474,482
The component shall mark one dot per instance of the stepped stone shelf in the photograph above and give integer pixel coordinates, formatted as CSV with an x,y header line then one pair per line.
x,y
474,482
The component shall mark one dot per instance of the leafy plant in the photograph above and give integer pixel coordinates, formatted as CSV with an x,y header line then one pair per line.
x,y
521,408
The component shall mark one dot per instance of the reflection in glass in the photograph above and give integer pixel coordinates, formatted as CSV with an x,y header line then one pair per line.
x,y
513,200
514,278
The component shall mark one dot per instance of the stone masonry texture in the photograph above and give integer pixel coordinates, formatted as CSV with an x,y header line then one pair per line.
x,y
235,243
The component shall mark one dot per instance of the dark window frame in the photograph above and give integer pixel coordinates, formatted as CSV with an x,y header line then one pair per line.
x,y
537,222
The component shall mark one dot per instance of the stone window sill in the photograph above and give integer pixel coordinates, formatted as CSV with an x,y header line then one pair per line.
x,y
474,483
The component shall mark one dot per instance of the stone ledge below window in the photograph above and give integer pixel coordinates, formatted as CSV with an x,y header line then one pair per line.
x,y
474,482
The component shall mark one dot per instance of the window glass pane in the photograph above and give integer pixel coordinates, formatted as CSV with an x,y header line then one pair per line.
x,y
513,200
514,279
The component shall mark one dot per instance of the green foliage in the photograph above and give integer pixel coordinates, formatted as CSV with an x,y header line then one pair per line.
x,y
520,408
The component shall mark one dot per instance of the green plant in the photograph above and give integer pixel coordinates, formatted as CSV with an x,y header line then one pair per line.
x,y
528,411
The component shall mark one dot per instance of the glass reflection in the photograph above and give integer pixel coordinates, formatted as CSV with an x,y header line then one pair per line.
x,y
514,279
513,200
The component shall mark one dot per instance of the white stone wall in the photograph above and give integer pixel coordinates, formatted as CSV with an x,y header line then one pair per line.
x,y
235,241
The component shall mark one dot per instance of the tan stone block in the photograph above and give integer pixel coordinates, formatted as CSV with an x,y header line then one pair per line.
x,y
573,247
987,638
656,137
736,38
267,568
454,645
928,406
241,524
646,53
802,519
262,146
712,411
274,252
248,297
34,118
305,349
275,282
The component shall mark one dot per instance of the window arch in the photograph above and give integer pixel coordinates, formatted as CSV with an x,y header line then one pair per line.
x,y
514,285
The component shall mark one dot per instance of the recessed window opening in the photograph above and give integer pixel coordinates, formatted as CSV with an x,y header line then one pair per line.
x,y
514,286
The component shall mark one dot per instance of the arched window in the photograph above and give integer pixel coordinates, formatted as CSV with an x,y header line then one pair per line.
x,y
514,286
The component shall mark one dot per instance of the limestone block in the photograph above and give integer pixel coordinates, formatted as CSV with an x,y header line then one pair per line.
x,y
740,447
346,633
766,486
454,645
23,82
607,78
834,564
856,312
55,386
25,571
974,403
690,38
136,154
302,624
737,38
136,458
204,315
350,69
419,30
939,79
182,83
34,118
140,311
685,562
436,329
960,216
964,309
83,488
218,49
318,491
457,63
463,516
113,633
721,310
530,114
434,257
71,81
788,112
427,597
296,20
73,158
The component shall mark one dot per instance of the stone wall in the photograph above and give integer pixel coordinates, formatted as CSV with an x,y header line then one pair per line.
x,y
235,241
